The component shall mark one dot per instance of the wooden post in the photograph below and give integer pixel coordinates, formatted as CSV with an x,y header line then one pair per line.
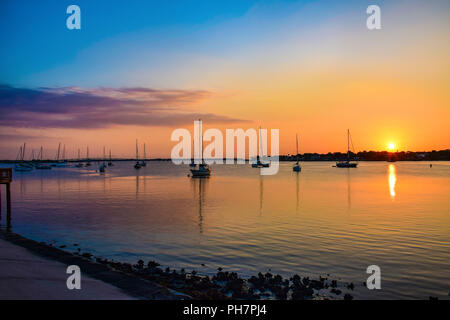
x,y
6,178
8,206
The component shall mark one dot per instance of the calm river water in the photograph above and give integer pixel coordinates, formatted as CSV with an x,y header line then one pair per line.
x,y
321,221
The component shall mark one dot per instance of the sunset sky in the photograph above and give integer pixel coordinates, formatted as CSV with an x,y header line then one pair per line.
x,y
140,69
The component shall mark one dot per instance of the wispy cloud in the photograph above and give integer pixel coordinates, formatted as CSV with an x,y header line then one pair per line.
x,y
82,108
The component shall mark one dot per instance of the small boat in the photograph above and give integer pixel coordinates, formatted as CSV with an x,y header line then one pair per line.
x,y
138,164
40,165
110,163
258,163
297,167
202,170
143,163
60,163
347,163
88,163
23,166
102,167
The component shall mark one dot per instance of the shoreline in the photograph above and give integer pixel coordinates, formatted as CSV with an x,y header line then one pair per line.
x,y
149,281
129,284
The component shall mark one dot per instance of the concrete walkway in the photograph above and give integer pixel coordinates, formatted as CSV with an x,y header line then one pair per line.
x,y
24,275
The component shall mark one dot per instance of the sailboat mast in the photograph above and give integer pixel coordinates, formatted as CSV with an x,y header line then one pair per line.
x,y
296,143
59,149
200,144
23,151
137,152
260,154
348,144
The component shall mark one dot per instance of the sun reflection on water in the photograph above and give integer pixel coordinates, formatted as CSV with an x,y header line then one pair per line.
x,y
392,180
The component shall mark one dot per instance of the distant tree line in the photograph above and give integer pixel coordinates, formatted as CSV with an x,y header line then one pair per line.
x,y
434,155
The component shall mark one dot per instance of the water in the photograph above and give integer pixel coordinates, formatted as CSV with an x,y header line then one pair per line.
x,y
321,221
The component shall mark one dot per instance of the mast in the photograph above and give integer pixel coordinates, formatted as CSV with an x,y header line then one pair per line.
x,y
144,153
64,153
23,151
59,149
348,145
260,153
42,153
200,140
137,152
296,142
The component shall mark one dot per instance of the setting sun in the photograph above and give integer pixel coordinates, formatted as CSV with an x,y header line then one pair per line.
x,y
391,146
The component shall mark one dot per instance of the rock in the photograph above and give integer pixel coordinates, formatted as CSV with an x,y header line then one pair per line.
x,y
348,297
336,291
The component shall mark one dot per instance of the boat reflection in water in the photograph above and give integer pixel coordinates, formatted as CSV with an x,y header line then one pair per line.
x,y
392,180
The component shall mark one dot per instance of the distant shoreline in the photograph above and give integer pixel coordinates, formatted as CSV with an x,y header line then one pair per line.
x,y
441,155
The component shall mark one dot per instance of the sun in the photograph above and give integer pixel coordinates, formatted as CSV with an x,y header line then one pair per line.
x,y
391,146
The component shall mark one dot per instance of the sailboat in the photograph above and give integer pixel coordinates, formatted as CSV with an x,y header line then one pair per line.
x,y
347,163
137,165
143,163
60,163
79,164
202,170
258,163
22,166
40,165
88,163
102,167
297,167
110,164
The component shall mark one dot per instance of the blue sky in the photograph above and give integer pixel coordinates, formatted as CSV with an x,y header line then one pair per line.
x,y
38,50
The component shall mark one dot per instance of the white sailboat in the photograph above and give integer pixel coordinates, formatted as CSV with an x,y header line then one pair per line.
x,y
202,170
297,167
347,163
40,165
22,166
258,163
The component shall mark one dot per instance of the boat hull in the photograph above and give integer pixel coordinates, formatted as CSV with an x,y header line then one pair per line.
x,y
201,173
346,165
297,168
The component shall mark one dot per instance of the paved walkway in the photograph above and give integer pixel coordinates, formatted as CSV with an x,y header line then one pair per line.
x,y
24,275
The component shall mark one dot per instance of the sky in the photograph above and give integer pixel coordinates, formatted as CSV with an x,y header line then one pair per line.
x,y
141,69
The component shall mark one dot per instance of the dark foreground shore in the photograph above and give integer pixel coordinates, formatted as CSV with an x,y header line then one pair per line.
x,y
147,280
